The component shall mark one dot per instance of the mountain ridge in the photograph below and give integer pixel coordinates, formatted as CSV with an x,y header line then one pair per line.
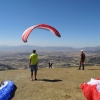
x,y
50,48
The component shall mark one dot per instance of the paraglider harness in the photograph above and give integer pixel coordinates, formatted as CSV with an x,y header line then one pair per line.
x,y
2,83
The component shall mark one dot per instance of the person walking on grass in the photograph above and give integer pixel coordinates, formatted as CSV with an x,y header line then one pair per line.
x,y
82,59
33,61
50,64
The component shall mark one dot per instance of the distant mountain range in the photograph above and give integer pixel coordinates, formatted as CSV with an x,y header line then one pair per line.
x,y
4,48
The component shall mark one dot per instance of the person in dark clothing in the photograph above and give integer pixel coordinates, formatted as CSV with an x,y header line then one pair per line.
x,y
82,60
50,64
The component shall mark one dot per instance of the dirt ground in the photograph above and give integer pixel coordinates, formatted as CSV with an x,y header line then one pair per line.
x,y
52,84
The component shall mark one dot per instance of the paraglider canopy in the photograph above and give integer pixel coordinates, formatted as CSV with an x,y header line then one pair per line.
x,y
91,89
41,26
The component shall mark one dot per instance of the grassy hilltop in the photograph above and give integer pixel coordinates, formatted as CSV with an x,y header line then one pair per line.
x,y
52,84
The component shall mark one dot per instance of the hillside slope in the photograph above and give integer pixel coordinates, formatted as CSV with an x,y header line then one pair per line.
x,y
52,84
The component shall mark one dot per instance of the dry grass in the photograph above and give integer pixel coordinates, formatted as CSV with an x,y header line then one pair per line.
x,y
52,84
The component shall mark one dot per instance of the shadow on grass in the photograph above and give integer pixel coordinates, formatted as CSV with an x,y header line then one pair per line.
x,y
93,69
13,93
49,80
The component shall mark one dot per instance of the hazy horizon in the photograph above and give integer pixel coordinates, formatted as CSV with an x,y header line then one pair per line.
x,y
49,46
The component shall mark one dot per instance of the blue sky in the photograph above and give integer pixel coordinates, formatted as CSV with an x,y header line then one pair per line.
x,y
78,22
